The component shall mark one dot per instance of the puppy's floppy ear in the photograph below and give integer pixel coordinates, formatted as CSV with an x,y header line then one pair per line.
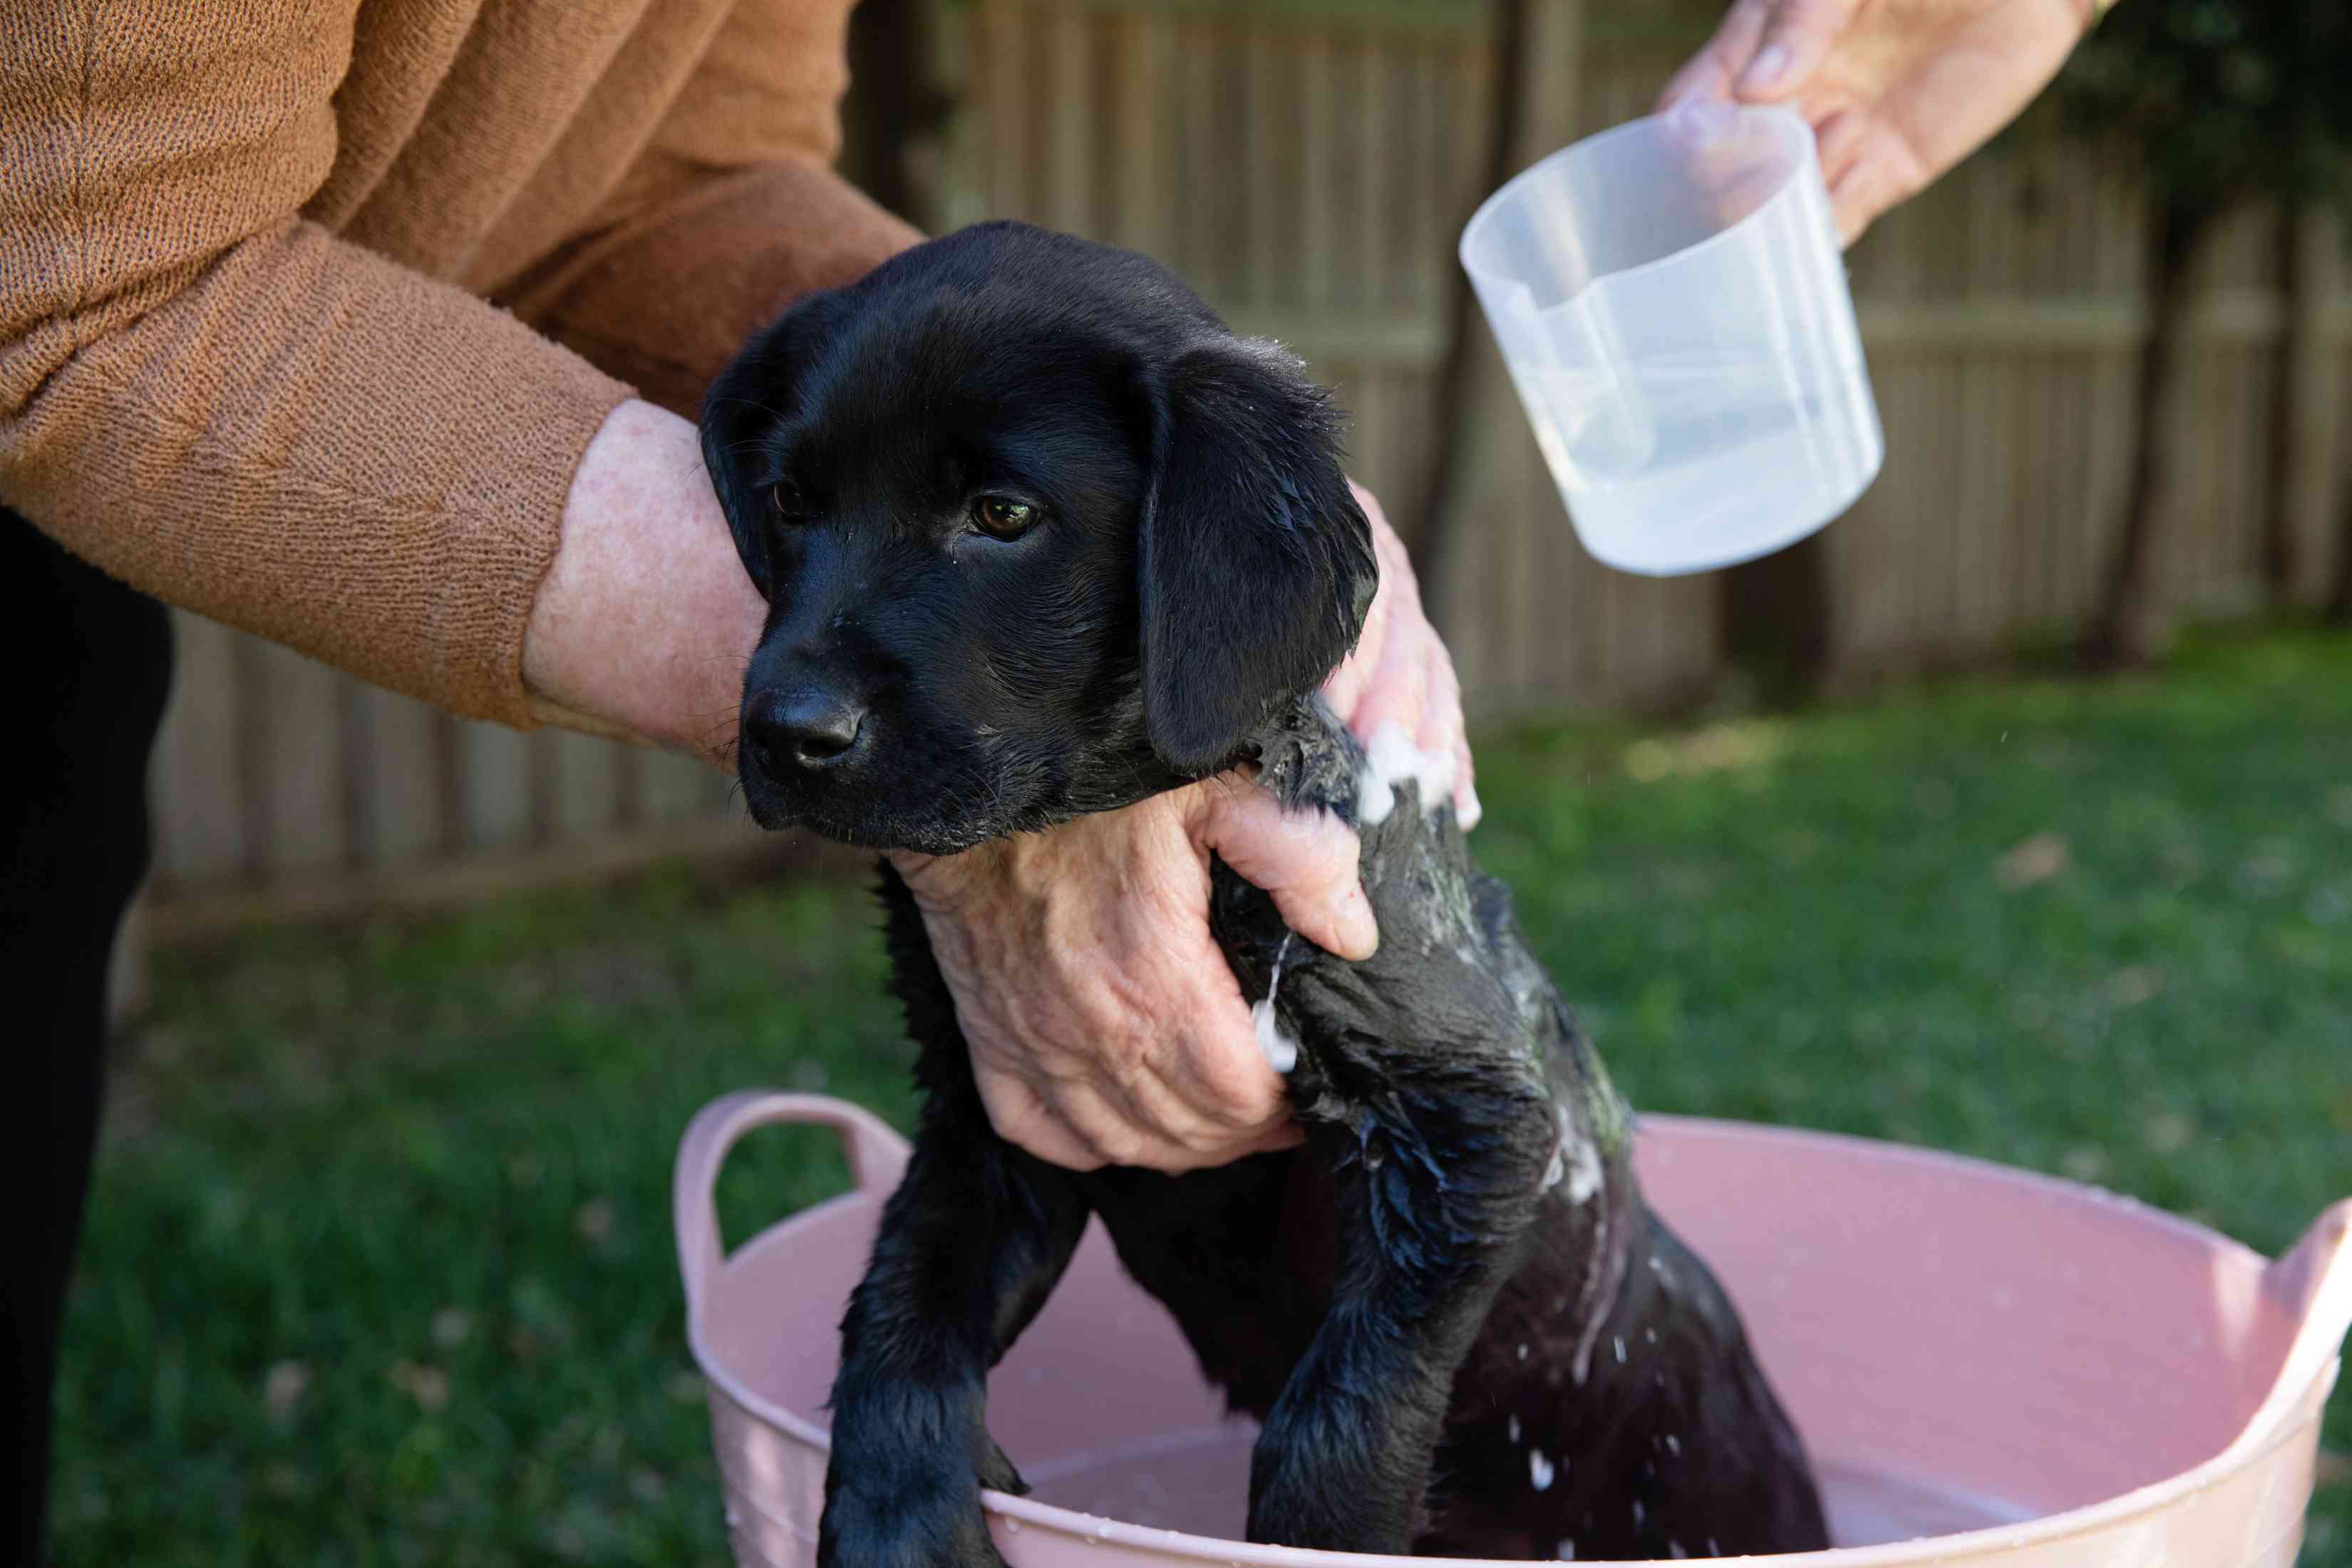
x,y
759,389
1256,563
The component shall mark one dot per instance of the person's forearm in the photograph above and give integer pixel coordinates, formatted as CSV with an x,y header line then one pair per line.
x,y
312,444
644,623
668,295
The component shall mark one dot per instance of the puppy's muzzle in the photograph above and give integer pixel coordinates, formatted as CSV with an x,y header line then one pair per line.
x,y
804,729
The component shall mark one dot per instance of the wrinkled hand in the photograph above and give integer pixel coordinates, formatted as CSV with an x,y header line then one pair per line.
x,y
1105,1025
1897,91
1401,672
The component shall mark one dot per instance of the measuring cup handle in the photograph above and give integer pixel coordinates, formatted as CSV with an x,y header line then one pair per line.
x,y
876,1155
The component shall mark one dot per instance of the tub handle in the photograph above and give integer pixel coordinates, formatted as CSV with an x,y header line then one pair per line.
x,y
2313,1282
876,1155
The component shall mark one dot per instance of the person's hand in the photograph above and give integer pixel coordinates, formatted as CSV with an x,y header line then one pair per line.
x,y
1105,1025
1401,672
1897,91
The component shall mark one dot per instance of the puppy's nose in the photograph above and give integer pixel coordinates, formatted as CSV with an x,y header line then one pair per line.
x,y
807,728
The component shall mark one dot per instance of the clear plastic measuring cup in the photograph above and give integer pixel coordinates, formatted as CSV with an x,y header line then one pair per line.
x,y
1671,300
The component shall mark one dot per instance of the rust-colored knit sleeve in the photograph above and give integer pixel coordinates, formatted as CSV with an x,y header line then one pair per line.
x,y
730,213
226,406
666,300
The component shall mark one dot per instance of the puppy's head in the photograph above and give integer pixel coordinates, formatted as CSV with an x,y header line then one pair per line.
x,y
1038,536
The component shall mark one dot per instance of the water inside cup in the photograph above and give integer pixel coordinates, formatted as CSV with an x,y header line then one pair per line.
x,y
1672,306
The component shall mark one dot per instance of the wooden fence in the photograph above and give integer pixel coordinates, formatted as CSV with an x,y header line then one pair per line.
x,y
1307,164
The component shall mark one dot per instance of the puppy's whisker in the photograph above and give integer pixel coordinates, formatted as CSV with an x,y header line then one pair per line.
x,y
728,400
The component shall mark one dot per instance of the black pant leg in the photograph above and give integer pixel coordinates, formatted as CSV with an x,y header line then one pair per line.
x,y
91,663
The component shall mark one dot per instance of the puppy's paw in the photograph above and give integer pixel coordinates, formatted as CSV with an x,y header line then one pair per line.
x,y
918,1516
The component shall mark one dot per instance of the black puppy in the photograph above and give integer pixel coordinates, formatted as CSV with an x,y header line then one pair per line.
x,y
1041,537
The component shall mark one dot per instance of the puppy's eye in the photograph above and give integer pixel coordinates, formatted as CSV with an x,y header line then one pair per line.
x,y
786,501
1003,517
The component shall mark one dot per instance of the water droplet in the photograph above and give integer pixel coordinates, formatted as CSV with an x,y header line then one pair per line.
x,y
1539,1469
1638,1512
1567,1549
1674,1444
1523,1352
1617,1342
1011,1527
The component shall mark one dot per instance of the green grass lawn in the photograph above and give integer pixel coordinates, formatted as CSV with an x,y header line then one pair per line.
x,y
380,1266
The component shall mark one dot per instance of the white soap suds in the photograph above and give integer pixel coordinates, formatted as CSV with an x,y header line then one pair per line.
x,y
1583,1171
1573,1158
1280,1050
1275,1042
1393,761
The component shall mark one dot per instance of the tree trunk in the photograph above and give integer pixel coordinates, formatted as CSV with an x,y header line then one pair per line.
x,y
1424,531
2338,610
2127,628
1774,617
893,106
2278,561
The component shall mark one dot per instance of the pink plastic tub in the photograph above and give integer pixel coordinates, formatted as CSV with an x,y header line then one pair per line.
x,y
1989,1367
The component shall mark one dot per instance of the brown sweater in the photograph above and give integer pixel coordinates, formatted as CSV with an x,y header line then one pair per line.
x,y
250,357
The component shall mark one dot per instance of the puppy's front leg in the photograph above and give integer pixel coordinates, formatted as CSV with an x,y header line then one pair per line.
x,y
1432,1201
970,1246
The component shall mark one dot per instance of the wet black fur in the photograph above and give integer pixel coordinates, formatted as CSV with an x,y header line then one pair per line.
x,y
1398,1298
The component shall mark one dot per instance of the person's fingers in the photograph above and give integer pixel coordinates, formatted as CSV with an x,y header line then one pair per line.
x,y
1202,1082
1148,1124
1710,73
1216,1068
1346,689
1027,1122
1307,860
1107,1129
1356,674
1346,686
1396,688
1443,735
1441,709
1840,140
1880,176
1796,35
1288,1135
1398,695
